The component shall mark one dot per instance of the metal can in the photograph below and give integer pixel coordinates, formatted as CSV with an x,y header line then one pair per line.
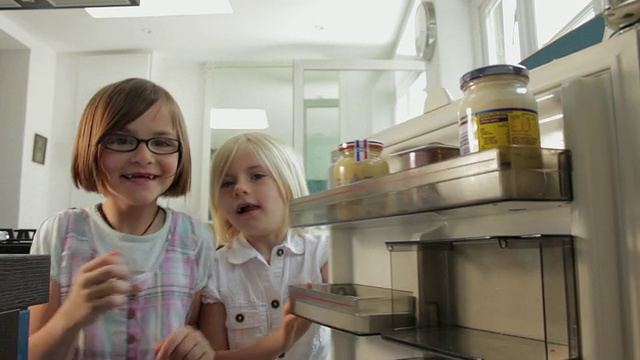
x,y
497,109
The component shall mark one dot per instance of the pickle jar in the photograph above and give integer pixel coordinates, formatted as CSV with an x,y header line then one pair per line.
x,y
497,109
359,160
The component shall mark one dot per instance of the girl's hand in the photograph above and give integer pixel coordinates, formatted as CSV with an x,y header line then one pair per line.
x,y
291,329
186,343
99,286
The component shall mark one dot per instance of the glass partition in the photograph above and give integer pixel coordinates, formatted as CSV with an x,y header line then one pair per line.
x,y
342,105
315,105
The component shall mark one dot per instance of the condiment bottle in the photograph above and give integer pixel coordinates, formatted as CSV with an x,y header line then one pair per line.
x,y
497,109
359,160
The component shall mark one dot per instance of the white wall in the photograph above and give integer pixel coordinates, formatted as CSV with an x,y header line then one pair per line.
x,y
355,104
455,49
384,96
268,88
14,72
53,97
185,82
63,133
321,84
34,183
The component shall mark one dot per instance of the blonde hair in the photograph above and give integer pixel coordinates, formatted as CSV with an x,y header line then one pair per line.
x,y
111,109
278,158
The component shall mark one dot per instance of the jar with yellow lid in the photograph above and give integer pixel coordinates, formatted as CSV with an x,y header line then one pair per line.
x,y
497,109
359,160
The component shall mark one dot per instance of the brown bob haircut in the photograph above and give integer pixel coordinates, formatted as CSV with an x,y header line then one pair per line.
x,y
111,109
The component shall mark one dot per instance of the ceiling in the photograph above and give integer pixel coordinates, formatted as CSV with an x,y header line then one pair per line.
x,y
256,30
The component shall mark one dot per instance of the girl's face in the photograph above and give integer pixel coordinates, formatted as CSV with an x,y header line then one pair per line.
x,y
139,177
250,199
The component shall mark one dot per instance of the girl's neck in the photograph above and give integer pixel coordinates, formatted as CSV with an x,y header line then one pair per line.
x,y
134,220
265,244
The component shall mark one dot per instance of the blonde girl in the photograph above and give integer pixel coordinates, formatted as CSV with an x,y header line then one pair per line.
x,y
253,178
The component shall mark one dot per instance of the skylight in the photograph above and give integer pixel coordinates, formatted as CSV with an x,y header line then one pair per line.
x,y
238,119
150,8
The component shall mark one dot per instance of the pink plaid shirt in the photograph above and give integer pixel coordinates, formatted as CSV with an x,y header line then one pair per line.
x,y
160,298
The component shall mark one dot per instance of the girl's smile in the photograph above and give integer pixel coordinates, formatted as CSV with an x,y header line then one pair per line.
x,y
140,178
247,208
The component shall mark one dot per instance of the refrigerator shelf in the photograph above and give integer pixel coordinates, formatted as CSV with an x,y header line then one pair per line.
x,y
505,174
427,358
353,308
468,344
531,241
490,297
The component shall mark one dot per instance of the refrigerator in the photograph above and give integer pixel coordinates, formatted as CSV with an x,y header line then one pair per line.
x,y
477,257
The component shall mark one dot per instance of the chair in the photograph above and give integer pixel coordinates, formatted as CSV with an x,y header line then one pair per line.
x,y
6,234
25,234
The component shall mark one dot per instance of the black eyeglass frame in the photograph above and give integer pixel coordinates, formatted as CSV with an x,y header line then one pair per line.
x,y
138,142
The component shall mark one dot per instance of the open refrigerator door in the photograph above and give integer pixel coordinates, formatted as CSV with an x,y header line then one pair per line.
x,y
485,256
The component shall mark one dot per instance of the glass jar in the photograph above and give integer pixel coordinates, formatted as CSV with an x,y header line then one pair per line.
x,y
497,109
359,160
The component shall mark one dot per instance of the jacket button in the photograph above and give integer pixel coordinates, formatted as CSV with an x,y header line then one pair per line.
x,y
275,304
280,252
135,290
131,339
239,318
131,314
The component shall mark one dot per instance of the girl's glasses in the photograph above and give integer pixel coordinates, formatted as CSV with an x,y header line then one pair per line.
x,y
127,143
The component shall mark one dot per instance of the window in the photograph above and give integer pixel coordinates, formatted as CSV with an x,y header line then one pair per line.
x,y
512,31
406,46
560,17
410,102
502,32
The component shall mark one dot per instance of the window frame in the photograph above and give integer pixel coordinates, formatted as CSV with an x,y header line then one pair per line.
x,y
526,22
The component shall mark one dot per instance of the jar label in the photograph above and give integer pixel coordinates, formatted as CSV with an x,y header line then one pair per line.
x,y
497,127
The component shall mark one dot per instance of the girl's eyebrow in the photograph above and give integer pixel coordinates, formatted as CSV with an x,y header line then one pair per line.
x,y
121,131
161,133
164,133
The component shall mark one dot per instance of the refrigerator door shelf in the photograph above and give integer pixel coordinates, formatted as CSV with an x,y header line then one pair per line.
x,y
468,344
354,308
491,176
361,325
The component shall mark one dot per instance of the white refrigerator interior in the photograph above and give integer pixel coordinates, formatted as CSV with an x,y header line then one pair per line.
x,y
577,298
